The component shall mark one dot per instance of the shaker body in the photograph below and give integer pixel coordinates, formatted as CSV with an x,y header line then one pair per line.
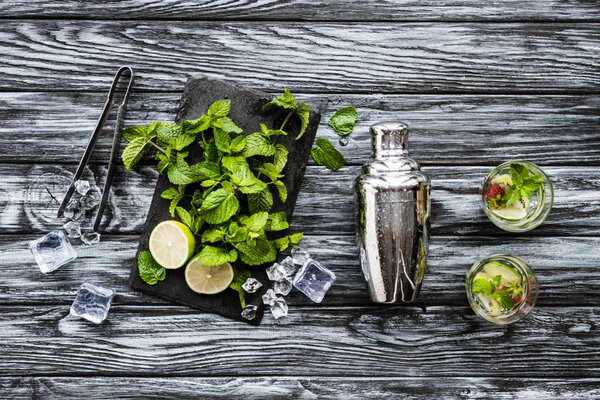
x,y
393,203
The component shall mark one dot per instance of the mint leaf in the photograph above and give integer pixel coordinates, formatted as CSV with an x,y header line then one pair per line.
x,y
167,132
219,206
280,157
286,100
295,238
258,145
183,141
518,172
343,120
241,276
150,271
229,126
219,108
134,132
327,155
185,217
303,113
497,281
238,144
482,285
213,235
262,252
511,196
197,125
277,222
170,193
262,201
502,297
213,256
222,139
281,243
134,151
282,190
255,222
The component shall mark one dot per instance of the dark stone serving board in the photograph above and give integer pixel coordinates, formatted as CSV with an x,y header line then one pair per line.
x,y
246,111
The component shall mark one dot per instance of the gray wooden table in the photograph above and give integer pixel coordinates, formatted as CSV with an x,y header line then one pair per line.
x,y
479,82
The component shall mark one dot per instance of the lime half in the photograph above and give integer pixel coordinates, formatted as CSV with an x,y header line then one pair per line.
x,y
508,274
513,212
205,279
171,244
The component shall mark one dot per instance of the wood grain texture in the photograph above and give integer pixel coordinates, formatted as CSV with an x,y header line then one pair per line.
x,y
568,269
310,57
445,129
30,194
343,388
556,342
341,10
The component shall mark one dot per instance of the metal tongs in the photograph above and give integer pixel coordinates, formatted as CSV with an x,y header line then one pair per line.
x,y
92,143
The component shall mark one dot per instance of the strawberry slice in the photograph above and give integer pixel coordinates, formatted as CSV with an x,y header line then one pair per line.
x,y
494,196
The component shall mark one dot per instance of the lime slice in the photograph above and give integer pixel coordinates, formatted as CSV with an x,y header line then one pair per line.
x,y
504,181
208,280
171,244
508,274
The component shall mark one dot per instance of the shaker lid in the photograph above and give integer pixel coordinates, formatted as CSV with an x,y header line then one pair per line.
x,y
389,139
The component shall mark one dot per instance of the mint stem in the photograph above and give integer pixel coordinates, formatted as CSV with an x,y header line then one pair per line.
x,y
287,118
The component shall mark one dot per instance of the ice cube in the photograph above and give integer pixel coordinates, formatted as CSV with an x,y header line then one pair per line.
x,y
73,229
249,312
90,238
92,302
276,272
288,266
251,285
73,211
279,308
52,250
82,187
300,256
314,280
283,287
90,200
269,297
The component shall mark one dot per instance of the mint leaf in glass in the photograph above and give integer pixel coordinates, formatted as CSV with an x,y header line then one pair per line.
x,y
502,297
482,285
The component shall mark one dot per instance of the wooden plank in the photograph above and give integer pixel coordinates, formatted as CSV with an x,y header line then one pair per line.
x,y
300,388
556,130
341,10
572,261
30,194
395,341
311,57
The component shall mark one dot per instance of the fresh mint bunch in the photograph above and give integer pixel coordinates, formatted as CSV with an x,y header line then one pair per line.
x,y
523,184
343,120
227,197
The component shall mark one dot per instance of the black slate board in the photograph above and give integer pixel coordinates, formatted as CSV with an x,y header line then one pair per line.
x,y
246,110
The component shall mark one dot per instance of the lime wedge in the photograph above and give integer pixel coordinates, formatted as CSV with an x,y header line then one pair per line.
x,y
208,280
171,244
513,212
508,274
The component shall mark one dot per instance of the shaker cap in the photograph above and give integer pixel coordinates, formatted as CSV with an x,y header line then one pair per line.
x,y
389,139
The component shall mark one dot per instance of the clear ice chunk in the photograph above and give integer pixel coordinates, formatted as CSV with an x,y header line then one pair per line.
x,y
269,297
300,256
82,187
52,250
90,238
73,229
249,312
314,280
288,266
92,302
90,200
279,308
276,272
283,287
251,285
74,211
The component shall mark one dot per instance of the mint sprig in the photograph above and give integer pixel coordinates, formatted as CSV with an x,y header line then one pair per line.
x,y
226,198
523,184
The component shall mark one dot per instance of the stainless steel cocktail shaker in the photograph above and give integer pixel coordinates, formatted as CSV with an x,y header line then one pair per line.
x,y
393,208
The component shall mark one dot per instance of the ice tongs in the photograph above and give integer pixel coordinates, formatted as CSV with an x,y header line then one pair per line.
x,y
92,143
